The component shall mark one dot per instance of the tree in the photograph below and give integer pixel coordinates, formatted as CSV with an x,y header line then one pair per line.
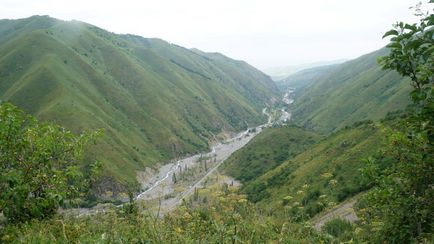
x,y
39,165
401,204
174,178
412,54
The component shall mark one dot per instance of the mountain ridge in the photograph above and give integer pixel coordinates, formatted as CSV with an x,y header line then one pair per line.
x,y
344,94
155,100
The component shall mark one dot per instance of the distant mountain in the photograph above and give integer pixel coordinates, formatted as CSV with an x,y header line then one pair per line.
x,y
337,96
155,100
280,73
304,78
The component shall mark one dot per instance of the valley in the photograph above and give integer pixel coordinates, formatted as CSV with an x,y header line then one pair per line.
x,y
118,138
176,181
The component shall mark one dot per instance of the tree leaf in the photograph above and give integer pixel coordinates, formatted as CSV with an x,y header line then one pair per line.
x,y
390,33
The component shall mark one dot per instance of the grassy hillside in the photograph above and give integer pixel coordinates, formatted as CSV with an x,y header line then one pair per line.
x,y
154,99
355,90
322,174
305,78
266,151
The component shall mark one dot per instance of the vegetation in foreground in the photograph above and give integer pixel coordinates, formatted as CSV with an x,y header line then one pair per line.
x,y
401,203
226,218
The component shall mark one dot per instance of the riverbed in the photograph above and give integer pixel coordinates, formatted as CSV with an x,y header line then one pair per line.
x,y
163,184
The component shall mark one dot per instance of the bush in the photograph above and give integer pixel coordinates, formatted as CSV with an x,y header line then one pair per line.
x,y
256,191
337,227
39,165
231,219
401,204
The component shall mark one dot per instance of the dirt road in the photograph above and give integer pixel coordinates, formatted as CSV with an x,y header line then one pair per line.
x,y
343,211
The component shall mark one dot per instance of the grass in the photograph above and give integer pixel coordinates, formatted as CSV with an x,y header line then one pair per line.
x,y
338,227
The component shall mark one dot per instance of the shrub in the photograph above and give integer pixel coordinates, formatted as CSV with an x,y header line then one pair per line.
x,y
337,227
39,165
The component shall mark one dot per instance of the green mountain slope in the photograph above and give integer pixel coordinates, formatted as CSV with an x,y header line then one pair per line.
x,y
155,100
280,73
355,90
266,151
324,173
305,78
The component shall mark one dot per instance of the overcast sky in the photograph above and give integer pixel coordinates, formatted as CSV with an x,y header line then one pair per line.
x,y
265,33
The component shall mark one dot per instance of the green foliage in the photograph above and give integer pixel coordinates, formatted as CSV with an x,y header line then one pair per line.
x,y
256,191
337,227
39,165
412,54
226,218
400,207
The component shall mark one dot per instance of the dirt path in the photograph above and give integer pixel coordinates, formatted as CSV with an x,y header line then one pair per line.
x,y
343,211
